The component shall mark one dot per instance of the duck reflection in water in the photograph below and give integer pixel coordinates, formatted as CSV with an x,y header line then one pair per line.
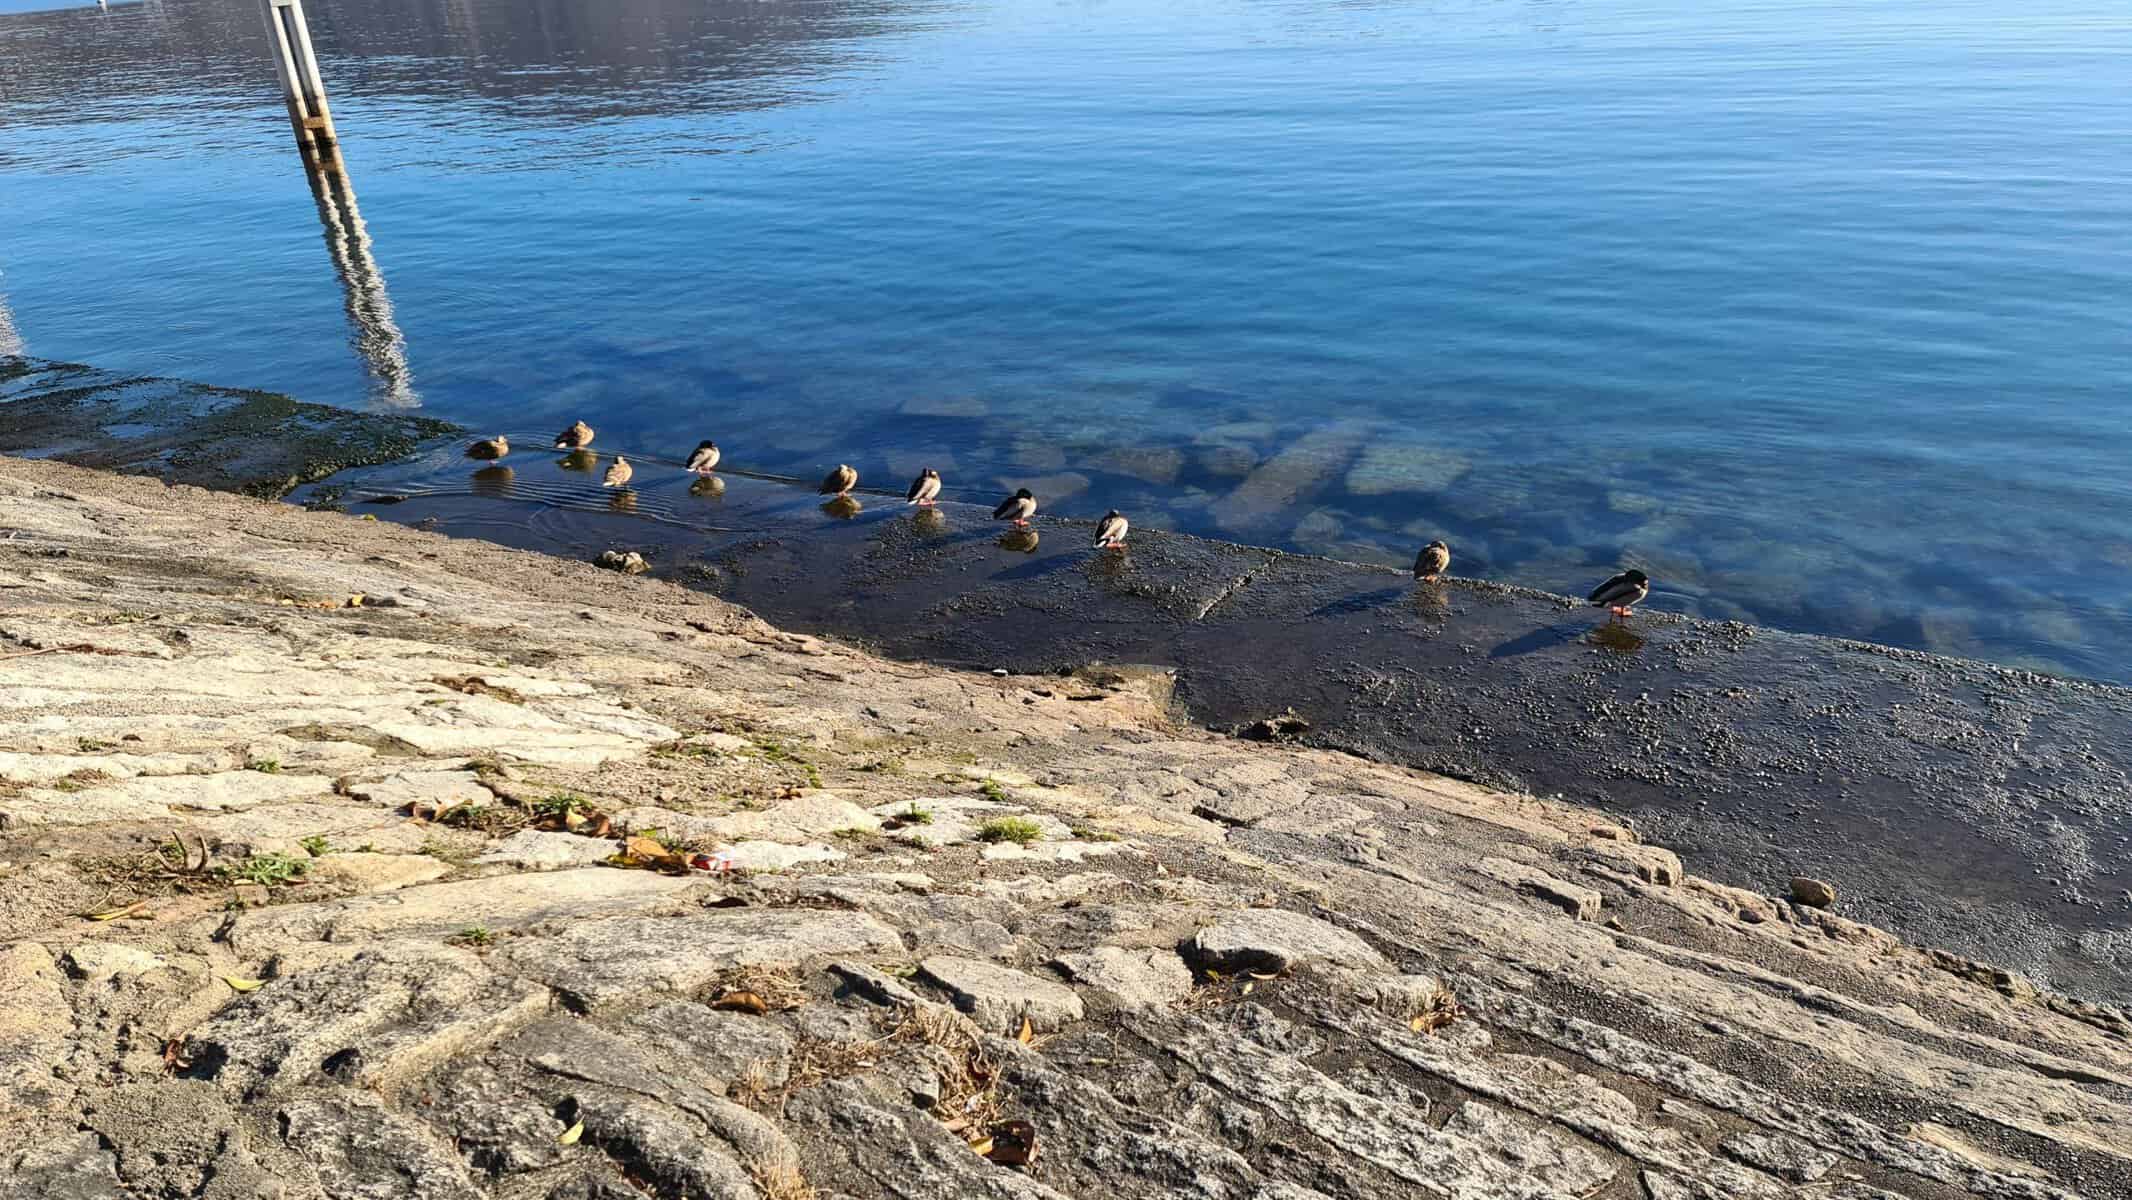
x,y
930,522
578,460
1020,541
493,481
1432,603
623,501
1109,568
710,487
843,508
1617,637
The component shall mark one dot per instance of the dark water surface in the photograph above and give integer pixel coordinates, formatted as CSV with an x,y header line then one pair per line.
x,y
1820,310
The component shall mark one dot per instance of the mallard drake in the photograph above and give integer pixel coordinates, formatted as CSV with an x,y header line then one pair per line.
x,y
577,437
494,448
1017,508
1622,593
619,473
1434,560
924,489
840,481
705,459
1110,531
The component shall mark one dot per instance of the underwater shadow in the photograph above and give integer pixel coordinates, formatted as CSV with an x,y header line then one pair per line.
x,y
1038,568
1359,602
1538,639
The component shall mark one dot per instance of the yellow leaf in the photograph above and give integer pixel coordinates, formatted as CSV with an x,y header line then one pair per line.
x,y
1247,988
1028,1031
116,913
570,1135
244,985
1418,1024
981,1146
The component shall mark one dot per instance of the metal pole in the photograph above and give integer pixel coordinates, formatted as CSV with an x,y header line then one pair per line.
x,y
303,89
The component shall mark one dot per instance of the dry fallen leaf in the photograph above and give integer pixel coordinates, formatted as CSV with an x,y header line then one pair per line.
x,y
174,1058
747,1002
643,851
116,913
981,1146
244,985
1028,1031
570,1135
1265,974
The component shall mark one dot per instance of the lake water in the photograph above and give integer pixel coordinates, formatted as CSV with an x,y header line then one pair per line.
x,y
1818,310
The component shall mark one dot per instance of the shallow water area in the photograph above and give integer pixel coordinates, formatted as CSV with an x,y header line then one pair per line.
x,y
1814,309
1959,804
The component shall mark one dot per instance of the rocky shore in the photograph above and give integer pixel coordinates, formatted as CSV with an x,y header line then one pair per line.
x,y
347,860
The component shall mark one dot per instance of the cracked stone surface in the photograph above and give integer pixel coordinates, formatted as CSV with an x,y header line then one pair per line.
x,y
1286,973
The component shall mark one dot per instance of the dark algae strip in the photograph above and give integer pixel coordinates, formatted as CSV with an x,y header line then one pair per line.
x,y
232,439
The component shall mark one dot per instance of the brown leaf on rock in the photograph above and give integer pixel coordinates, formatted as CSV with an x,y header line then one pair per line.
x,y
174,1056
1027,1033
116,913
747,1002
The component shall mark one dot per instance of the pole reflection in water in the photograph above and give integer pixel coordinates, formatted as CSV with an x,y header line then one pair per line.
x,y
376,335
10,338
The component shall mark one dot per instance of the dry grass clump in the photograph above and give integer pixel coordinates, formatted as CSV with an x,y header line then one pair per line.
x,y
1441,1010
969,1084
778,1180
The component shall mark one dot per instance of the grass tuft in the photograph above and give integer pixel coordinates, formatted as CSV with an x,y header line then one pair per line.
x,y
270,870
1010,829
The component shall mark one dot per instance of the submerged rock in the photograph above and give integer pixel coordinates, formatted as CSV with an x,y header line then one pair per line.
x,y
628,562
1387,467
1808,890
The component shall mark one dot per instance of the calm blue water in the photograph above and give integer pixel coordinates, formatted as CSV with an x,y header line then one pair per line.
x,y
1819,310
